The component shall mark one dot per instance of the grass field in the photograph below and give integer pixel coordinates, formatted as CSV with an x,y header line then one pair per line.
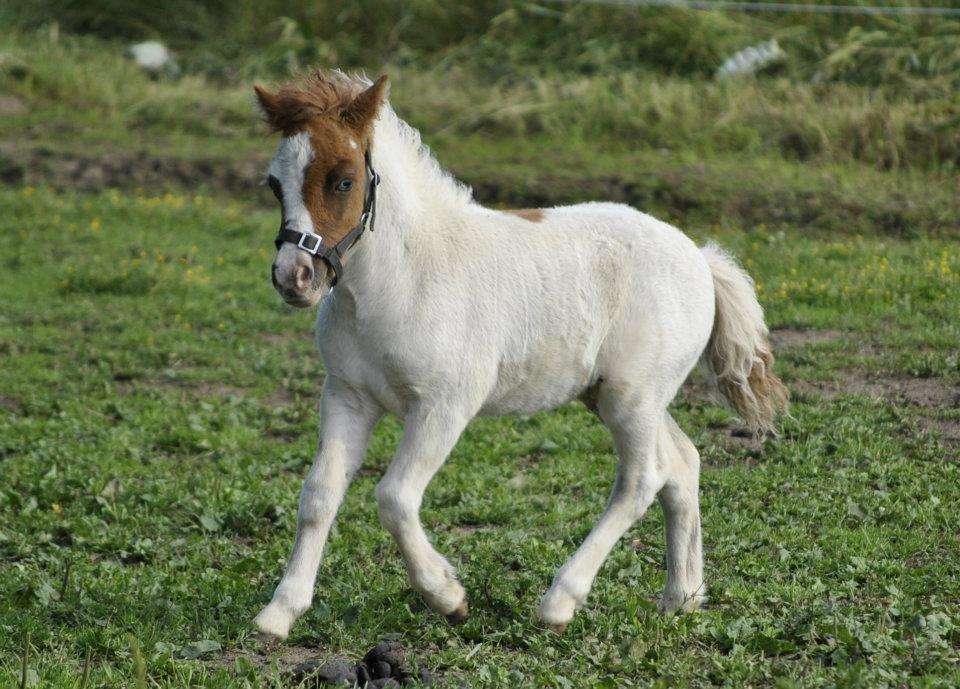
x,y
157,416
158,401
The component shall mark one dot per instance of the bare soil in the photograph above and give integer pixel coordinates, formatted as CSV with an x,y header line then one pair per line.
x,y
11,105
125,385
791,338
934,401
933,393
285,656
128,170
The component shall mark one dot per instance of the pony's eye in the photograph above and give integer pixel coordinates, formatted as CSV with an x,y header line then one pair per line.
x,y
344,185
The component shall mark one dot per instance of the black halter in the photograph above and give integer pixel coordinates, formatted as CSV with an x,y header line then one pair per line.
x,y
313,243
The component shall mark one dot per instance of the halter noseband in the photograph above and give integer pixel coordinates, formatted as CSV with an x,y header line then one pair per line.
x,y
313,243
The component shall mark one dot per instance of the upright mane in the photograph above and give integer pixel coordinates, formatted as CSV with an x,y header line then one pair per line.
x,y
318,94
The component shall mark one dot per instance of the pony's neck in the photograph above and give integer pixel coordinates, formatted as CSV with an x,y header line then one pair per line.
x,y
414,199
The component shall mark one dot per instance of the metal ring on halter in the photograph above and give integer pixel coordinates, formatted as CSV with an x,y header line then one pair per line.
x,y
317,242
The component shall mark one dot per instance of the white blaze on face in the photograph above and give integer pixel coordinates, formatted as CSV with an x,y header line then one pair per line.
x,y
289,165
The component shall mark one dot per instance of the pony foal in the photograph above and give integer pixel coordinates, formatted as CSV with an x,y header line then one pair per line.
x,y
446,310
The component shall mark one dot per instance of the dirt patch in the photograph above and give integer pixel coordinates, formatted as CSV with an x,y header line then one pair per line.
x,y
125,384
791,338
468,529
930,398
282,397
288,340
216,390
947,431
388,664
922,392
11,105
286,657
129,170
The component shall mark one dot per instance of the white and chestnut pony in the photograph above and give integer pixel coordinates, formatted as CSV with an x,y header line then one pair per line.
x,y
446,310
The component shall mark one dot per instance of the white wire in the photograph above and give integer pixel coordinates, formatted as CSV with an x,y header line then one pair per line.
x,y
736,6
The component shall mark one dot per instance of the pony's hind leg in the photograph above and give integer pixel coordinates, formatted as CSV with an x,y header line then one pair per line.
x,y
635,425
679,497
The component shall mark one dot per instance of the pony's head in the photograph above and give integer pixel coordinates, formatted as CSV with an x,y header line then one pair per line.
x,y
318,174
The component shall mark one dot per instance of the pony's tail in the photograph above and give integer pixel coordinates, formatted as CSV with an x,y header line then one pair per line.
x,y
738,356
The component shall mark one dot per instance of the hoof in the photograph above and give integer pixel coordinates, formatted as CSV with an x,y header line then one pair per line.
x,y
268,639
557,628
557,609
459,614
272,624
677,605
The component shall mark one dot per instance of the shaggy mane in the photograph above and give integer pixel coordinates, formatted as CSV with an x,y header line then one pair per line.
x,y
319,94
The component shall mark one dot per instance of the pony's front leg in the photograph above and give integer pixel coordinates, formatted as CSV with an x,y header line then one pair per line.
x,y
428,438
346,422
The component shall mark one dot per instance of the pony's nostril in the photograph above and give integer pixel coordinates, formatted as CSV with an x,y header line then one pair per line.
x,y
304,277
273,276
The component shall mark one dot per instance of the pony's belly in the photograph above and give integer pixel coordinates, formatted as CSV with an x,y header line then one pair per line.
x,y
523,404
530,391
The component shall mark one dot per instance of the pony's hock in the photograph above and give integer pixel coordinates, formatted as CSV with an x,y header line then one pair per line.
x,y
450,310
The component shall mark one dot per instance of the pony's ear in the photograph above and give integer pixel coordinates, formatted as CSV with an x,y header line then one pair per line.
x,y
284,110
360,113
267,100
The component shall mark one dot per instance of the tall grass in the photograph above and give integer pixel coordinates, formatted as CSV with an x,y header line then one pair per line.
x,y
827,122
88,81
235,39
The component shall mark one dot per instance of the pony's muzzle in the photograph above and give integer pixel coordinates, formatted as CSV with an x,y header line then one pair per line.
x,y
295,278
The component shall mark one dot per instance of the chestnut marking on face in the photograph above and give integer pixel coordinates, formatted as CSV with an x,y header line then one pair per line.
x,y
318,172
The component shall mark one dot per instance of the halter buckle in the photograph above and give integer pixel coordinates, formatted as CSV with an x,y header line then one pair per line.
x,y
310,242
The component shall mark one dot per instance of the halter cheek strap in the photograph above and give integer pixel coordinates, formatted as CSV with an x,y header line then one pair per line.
x,y
313,243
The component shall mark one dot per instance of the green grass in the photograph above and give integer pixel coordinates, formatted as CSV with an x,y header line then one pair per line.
x,y
157,415
158,402
84,88
501,38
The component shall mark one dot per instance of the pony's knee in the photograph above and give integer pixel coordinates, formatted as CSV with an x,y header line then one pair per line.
x,y
317,501
394,506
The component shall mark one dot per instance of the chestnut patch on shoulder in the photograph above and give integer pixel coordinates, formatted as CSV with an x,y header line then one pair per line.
x,y
531,214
